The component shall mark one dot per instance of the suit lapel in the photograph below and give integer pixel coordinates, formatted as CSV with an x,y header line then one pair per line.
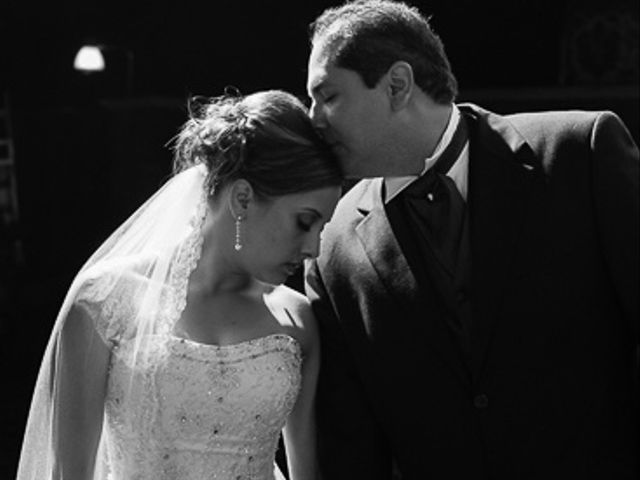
x,y
395,278
502,173
379,243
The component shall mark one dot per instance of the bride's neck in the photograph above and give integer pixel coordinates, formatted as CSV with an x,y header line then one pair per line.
x,y
216,270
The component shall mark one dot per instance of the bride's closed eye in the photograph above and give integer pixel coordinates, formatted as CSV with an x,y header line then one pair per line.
x,y
305,222
305,225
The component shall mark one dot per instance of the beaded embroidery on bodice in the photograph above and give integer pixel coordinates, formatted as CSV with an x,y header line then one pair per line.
x,y
196,411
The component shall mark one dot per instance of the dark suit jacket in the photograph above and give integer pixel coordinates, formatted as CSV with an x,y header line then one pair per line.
x,y
551,390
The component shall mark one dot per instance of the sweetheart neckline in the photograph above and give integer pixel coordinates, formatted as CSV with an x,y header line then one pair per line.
x,y
237,344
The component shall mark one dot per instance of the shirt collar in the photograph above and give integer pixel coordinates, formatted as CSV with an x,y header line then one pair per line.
x,y
394,185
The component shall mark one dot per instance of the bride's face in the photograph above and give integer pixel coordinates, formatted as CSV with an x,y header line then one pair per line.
x,y
279,234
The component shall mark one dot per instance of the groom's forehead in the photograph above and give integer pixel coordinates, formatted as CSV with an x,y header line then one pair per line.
x,y
317,80
317,73
321,68
326,48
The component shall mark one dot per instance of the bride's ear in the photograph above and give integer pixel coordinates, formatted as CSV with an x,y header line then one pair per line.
x,y
241,195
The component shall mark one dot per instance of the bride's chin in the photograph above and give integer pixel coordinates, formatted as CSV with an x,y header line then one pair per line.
x,y
272,278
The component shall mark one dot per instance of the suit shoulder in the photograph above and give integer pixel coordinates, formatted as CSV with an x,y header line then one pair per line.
x,y
347,209
355,194
577,123
570,131
544,128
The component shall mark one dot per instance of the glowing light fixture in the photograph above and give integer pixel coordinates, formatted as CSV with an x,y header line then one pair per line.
x,y
113,63
89,59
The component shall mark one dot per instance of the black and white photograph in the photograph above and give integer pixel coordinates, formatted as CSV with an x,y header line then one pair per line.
x,y
320,240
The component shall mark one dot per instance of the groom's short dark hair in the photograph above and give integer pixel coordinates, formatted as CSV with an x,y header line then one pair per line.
x,y
368,36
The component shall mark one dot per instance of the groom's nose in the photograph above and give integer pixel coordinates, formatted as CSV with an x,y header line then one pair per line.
x,y
318,119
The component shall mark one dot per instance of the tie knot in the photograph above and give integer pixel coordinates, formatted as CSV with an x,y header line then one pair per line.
x,y
429,186
434,182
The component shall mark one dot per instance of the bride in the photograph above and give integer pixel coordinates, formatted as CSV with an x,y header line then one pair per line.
x,y
178,353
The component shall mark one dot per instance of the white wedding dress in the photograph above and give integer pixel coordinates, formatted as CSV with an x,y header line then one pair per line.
x,y
197,411
173,408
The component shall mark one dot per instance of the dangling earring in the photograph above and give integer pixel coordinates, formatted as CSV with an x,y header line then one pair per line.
x,y
238,244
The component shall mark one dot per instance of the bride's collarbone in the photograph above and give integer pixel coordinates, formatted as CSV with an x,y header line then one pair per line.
x,y
219,322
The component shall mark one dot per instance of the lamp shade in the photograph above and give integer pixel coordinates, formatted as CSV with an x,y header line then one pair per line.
x,y
89,59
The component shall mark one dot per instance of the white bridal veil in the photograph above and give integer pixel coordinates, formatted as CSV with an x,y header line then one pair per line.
x,y
134,287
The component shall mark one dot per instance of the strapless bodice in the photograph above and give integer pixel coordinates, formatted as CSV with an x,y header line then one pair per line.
x,y
197,411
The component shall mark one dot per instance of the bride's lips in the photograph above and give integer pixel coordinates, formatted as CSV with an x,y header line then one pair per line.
x,y
291,267
336,147
331,141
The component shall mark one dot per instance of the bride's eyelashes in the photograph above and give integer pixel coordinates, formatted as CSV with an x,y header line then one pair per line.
x,y
304,225
306,221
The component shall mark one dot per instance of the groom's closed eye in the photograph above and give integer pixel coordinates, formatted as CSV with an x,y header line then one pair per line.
x,y
328,98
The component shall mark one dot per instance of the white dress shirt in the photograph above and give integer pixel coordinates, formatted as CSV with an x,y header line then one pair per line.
x,y
459,171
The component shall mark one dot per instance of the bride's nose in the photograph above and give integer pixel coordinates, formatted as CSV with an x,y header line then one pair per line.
x,y
311,247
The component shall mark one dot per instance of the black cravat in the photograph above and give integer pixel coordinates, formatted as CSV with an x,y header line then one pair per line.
x,y
435,202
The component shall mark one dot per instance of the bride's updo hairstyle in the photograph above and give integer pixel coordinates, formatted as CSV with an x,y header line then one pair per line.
x,y
265,138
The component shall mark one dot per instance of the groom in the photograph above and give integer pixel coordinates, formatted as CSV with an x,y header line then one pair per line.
x,y
477,293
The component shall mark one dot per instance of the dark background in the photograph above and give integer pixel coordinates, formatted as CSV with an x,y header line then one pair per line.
x,y
90,148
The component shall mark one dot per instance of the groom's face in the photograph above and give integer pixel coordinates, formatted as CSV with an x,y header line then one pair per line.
x,y
351,117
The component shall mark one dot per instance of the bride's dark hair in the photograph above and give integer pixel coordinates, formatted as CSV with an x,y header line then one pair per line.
x,y
265,138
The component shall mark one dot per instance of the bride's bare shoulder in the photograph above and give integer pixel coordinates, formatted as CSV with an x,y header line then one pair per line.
x,y
293,311
288,297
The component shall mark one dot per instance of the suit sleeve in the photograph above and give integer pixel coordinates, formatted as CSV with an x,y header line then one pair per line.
x,y
350,442
616,177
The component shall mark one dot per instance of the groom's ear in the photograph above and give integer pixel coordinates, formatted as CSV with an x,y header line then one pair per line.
x,y
400,84
241,196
